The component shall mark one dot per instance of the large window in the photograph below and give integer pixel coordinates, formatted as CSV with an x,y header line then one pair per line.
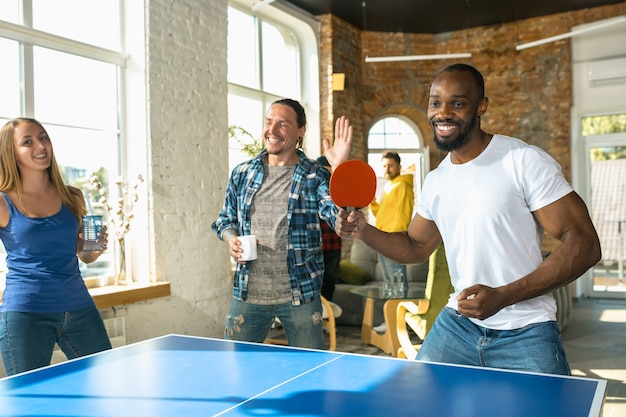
x,y
62,64
271,55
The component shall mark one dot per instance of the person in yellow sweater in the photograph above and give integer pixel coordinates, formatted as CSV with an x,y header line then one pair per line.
x,y
393,214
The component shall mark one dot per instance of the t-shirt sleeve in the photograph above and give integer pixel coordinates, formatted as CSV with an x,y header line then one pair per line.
x,y
423,207
543,179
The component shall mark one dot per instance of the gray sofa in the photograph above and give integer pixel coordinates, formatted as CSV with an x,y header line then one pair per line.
x,y
352,305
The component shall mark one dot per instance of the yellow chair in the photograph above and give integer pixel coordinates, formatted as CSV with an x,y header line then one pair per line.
x,y
419,315
329,312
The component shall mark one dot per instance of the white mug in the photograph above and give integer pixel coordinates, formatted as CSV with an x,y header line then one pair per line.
x,y
248,244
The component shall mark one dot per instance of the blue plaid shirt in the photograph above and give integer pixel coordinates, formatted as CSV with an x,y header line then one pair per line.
x,y
309,200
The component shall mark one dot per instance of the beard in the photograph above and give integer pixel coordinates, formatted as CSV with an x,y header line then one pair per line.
x,y
463,136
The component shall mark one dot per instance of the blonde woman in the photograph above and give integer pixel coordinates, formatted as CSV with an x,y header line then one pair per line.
x,y
45,299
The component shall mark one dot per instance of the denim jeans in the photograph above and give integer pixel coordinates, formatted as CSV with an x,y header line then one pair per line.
x,y
390,269
456,339
251,322
27,339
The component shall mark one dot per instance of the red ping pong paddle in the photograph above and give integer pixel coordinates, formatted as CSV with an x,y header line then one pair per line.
x,y
353,185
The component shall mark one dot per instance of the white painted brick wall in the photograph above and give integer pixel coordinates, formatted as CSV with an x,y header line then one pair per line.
x,y
188,122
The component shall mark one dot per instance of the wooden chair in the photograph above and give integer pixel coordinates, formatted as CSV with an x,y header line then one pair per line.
x,y
419,315
329,312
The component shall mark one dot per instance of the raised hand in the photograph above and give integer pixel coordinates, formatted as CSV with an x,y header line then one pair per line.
x,y
340,149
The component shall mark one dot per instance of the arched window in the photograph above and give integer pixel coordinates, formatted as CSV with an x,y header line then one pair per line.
x,y
401,135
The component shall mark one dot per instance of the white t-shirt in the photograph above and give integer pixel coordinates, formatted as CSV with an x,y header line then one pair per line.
x,y
483,210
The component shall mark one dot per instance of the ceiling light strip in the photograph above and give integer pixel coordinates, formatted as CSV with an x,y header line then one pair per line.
x,y
415,57
261,4
569,34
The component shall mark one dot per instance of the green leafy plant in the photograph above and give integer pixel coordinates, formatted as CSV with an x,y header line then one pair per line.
x,y
249,144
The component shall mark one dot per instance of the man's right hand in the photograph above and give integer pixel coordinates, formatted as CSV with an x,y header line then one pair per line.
x,y
236,251
350,225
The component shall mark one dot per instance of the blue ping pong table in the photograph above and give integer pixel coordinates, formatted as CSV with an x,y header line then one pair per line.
x,y
190,376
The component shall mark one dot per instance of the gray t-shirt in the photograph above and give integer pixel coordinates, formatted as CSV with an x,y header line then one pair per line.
x,y
269,277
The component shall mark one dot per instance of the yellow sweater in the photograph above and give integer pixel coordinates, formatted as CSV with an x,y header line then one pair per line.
x,y
395,210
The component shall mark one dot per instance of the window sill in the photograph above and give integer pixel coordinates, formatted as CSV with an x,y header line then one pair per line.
x,y
115,295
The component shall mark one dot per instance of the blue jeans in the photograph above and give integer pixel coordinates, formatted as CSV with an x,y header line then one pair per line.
x,y
252,322
390,269
27,339
533,348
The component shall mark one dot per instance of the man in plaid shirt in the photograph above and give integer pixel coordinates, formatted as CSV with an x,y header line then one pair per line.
x,y
280,197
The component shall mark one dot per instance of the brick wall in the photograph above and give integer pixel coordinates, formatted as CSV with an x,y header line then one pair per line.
x,y
530,91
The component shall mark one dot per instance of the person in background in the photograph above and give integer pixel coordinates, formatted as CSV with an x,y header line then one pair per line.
x,y
331,248
490,201
280,196
393,214
45,300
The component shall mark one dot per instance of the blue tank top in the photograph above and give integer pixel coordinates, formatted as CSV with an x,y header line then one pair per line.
x,y
43,273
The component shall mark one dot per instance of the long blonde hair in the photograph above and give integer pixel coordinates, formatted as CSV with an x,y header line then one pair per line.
x,y
10,177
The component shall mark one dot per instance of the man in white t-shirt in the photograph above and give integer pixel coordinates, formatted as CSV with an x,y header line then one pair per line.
x,y
490,201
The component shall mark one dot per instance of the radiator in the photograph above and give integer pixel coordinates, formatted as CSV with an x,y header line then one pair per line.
x,y
116,329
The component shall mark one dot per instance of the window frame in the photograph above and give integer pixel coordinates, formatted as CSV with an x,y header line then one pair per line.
x,y
581,169
27,39
422,152
304,39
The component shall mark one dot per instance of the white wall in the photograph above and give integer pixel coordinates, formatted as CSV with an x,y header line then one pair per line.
x,y
187,124
588,99
609,42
